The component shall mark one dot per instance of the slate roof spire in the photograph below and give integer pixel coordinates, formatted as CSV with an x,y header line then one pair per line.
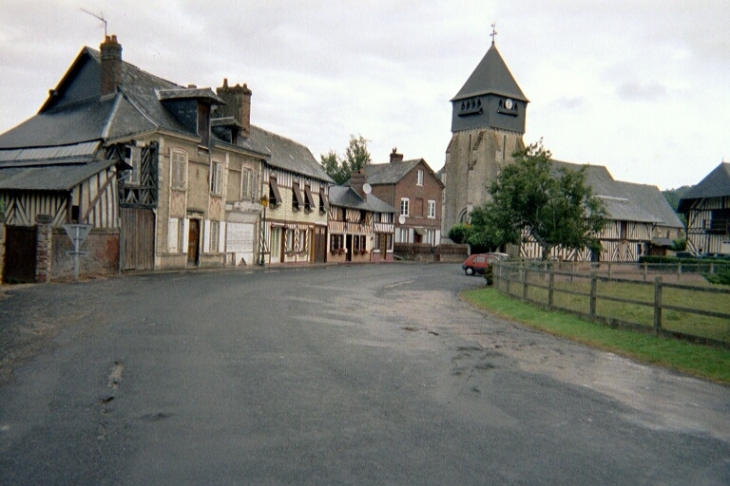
x,y
491,76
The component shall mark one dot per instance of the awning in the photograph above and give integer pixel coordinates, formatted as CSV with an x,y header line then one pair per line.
x,y
420,231
274,191
298,195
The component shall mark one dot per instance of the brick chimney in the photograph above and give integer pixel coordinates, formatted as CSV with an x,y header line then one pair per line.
x,y
238,104
111,65
357,179
395,156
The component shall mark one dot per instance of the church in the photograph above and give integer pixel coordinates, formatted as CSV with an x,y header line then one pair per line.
x,y
487,126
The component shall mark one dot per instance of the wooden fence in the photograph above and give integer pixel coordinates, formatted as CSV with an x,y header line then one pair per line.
x,y
642,301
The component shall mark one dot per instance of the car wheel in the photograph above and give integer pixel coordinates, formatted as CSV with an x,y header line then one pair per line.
x,y
469,271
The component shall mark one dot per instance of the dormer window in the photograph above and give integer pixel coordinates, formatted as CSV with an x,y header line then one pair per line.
x,y
419,179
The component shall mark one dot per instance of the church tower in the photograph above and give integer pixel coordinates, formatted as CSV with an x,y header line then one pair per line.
x,y
487,125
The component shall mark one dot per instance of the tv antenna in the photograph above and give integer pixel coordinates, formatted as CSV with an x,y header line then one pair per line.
x,y
100,17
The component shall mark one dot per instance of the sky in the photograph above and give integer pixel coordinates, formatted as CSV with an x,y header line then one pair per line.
x,y
641,87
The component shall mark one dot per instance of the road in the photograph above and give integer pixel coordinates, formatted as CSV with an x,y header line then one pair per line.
x,y
368,375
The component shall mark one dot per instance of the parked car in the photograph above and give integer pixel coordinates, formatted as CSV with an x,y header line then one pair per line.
x,y
478,263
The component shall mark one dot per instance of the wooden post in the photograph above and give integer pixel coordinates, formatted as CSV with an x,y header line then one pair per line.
x,y
646,268
657,305
679,270
551,287
609,269
594,293
524,284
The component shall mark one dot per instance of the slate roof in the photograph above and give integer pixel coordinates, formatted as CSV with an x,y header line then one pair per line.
x,y
715,184
389,173
135,108
50,177
286,154
346,197
491,76
627,201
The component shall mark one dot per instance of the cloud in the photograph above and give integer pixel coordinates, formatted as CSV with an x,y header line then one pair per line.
x,y
637,91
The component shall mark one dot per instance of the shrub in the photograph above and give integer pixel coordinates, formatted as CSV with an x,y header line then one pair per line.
x,y
459,233
722,277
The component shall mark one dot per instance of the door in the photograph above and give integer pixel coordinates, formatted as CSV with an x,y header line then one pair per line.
x,y
348,245
276,246
320,244
20,254
138,239
194,241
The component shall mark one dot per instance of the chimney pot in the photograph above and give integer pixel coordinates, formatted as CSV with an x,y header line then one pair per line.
x,y
395,156
238,104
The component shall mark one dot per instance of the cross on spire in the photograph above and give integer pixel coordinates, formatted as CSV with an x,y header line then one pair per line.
x,y
494,32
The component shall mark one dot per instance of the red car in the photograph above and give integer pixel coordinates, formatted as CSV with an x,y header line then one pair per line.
x,y
478,263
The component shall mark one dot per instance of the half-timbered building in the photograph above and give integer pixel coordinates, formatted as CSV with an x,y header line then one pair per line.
x,y
640,220
361,226
707,207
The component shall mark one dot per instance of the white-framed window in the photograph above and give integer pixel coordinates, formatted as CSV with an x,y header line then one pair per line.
x,y
405,206
178,169
247,183
431,208
216,177
420,177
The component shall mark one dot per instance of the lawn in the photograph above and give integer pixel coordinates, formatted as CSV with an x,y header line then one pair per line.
x,y
702,361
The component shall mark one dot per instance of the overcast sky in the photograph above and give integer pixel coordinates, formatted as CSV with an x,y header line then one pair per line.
x,y
640,86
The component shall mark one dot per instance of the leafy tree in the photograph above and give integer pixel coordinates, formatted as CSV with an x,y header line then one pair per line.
x,y
356,156
554,206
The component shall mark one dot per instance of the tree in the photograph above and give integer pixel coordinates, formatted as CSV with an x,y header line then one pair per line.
x,y
356,156
554,206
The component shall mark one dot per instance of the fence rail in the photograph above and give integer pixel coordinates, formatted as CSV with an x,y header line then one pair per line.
x,y
698,313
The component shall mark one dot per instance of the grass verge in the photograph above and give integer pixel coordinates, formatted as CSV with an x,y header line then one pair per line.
x,y
697,360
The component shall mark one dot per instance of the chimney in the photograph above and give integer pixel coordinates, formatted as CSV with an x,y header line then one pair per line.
x,y
111,65
238,104
357,179
395,156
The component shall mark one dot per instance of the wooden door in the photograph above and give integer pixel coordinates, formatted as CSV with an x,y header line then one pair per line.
x,y
194,241
20,254
320,244
138,239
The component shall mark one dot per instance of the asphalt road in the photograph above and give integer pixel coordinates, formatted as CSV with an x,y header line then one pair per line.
x,y
374,374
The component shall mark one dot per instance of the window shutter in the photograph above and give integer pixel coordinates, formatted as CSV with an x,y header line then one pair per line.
x,y
185,235
222,237
206,236
172,235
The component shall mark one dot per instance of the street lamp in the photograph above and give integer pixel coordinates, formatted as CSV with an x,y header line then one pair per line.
x,y
264,202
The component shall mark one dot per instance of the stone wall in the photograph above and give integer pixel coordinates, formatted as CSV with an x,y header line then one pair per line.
x,y
427,253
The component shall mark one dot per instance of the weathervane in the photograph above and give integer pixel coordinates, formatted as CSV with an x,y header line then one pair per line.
x,y
100,17
494,32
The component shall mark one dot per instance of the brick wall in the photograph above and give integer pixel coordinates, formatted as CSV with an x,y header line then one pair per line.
x,y
103,258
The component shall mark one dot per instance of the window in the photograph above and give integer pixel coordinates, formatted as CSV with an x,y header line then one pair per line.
x,y
297,201
420,177
216,177
133,156
274,195
431,209
179,169
309,204
247,183
404,206
336,242
214,236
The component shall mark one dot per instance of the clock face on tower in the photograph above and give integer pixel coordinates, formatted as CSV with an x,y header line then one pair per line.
x,y
507,106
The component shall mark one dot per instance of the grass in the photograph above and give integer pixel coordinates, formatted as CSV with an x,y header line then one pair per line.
x,y
702,361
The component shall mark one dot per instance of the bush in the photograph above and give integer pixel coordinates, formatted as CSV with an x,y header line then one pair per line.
x,y
459,233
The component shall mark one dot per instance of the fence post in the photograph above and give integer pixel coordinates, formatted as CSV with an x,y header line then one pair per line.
x,y
679,270
609,269
524,284
594,293
551,287
712,268
646,268
657,305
